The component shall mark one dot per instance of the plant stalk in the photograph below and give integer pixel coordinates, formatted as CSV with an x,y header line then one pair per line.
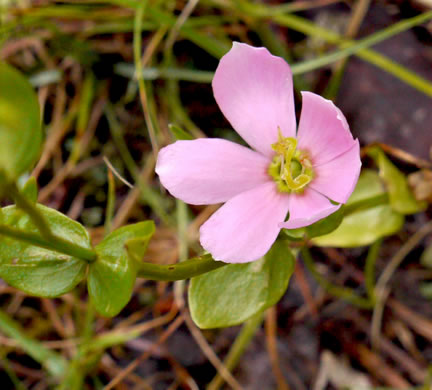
x,y
186,269
56,243
242,341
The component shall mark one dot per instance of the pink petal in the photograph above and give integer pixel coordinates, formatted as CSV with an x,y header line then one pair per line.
x,y
323,130
254,91
245,228
307,208
337,178
207,171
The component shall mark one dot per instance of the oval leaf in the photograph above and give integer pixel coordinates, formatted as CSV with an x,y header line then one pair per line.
x,y
38,271
112,276
20,129
401,198
319,228
363,227
232,294
326,225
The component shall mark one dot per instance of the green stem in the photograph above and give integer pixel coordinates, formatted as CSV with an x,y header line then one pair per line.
x,y
216,47
52,361
180,271
352,48
154,73
56,243
341,292
150,123
370,269
367,203
109,214
309,28
80,364
348,47
29,208
18,385
45,238
182,224
240,344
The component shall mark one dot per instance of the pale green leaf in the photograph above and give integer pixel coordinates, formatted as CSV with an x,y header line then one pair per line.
x,y
39,271
401,197
232,294
112,276
319,228
326,225
363,227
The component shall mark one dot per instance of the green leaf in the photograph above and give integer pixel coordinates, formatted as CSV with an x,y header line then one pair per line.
x,y
319,228
20,129
364,226
401,197
295,234
179,133
230,295
39,271
112,276
30,189
136,248
49,278
326,225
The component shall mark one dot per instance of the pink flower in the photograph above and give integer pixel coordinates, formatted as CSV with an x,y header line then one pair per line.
x,y
284,173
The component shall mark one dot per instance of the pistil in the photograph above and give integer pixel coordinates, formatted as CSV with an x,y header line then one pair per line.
x,y
291,168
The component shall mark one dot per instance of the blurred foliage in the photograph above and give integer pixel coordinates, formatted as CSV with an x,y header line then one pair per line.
x,y
20,129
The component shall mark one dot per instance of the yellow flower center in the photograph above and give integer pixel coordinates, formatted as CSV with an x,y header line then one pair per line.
x,y
290,168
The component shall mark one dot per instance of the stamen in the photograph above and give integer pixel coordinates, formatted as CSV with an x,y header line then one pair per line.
x,y
290,168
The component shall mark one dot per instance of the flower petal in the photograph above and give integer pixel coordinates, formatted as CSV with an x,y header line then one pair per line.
x,y
207,171
245,227
254,91
337,178
323,130
307,208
